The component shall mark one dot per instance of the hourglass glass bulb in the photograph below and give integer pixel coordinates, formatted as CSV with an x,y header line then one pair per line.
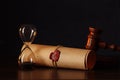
x,y
27,33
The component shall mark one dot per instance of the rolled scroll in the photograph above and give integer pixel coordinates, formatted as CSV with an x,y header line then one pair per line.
x,y
72,58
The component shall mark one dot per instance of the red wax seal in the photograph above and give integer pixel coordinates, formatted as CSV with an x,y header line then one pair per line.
x,y
54,56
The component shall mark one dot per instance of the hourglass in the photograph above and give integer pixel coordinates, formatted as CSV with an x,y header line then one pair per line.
x,y
27,33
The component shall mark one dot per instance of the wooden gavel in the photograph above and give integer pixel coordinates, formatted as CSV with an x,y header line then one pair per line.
x,y
94,42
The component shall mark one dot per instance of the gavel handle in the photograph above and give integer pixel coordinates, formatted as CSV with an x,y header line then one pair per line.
x,y
104,45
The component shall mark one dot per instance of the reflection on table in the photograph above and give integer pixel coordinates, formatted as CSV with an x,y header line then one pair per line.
x,y
54,74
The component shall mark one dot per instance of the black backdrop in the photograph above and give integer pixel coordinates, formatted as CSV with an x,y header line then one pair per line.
x,y
64,22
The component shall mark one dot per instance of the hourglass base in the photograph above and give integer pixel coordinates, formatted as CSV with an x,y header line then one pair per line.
x,y
27,66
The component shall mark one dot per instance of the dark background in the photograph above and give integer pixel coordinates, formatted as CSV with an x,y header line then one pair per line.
x,y
63,22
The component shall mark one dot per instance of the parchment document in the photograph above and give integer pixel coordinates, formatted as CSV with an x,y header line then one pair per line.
x,y
73,58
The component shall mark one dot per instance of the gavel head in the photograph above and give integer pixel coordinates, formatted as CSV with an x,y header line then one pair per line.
x,y
93,38
94,42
